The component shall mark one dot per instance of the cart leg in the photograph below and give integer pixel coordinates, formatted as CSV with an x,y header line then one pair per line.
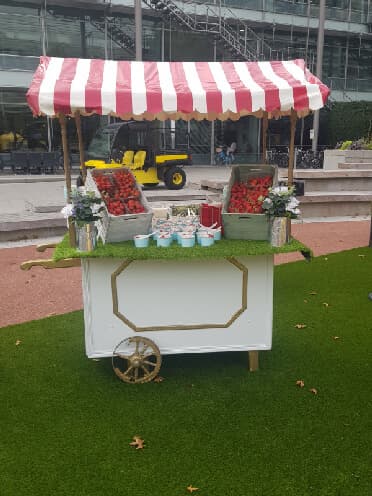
x,y
253,361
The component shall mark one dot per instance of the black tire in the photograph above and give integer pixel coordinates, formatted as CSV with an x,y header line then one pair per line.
x,y
175,178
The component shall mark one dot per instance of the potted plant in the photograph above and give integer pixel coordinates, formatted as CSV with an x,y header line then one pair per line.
x,y
84,211
281,205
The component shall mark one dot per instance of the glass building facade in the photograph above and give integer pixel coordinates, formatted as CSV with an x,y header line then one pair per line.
x,y
106,30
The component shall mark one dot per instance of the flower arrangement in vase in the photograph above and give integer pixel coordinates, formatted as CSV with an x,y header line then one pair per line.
x,y
281,205
84,211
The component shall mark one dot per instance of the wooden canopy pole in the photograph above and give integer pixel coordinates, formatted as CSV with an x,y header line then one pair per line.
x,y
293,120
81,144
66,166
291,156
265,125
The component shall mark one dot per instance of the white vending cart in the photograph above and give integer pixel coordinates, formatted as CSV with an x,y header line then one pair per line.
x,y
135,310
140,304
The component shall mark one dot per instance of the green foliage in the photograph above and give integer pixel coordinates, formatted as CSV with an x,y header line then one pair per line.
x,y
350,121
84,204
67,421
360,144
345,145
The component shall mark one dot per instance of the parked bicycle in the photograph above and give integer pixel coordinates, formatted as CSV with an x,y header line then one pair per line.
x,y
305,158
225,154
308,159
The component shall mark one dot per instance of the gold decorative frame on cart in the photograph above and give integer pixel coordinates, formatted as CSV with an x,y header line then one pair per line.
x,y
179,327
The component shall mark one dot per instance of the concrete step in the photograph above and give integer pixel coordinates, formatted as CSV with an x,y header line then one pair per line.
x,y
356,165
330,174
42,178
31,225
335,180
163,194
212,185
335,204
361,159
217,185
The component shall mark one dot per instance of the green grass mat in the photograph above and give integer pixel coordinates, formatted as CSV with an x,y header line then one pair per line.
x,y
67,421
221,249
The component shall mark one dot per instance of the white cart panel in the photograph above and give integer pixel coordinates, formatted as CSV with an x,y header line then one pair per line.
x,y
192,306
186,296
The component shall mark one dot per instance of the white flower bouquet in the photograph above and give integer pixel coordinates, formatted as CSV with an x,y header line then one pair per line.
x,y
281,202
85,207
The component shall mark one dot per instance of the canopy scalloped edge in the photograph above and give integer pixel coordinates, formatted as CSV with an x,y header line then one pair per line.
x,y
162,116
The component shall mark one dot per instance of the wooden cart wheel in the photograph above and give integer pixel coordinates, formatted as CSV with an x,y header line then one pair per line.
x,y
136,360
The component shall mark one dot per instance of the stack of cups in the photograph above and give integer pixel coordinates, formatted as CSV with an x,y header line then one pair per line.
x,y
206,238
187,239
164,239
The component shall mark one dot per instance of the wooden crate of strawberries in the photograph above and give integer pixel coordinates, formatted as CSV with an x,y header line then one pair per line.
x,y
242,214
126,212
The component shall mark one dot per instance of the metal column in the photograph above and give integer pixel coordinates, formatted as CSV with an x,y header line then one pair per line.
x,y
138,27
319,67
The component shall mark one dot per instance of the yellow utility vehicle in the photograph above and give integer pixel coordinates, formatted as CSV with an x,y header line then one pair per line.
x,y
149,150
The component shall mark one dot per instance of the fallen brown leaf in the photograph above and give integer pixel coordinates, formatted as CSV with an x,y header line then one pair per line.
x,y
336,337
158,378
300,383
313,390
18,342
137,442
192,489
300,326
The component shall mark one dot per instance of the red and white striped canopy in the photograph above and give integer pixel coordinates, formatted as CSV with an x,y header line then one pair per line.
x,y
174,90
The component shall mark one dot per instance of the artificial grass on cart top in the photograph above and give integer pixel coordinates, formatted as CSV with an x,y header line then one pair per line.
x,y
67,421
224,248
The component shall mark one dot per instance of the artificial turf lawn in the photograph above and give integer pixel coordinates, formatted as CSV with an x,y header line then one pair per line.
x,y
67,421
221,249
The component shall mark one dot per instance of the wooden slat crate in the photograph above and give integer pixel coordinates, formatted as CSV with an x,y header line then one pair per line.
x,y
247,226
115,228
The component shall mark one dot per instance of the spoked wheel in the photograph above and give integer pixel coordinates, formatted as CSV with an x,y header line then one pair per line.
x,y
136,360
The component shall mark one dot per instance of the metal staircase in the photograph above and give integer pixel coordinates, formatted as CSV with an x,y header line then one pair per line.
x,y
236,37
110,26
115,31
224,25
